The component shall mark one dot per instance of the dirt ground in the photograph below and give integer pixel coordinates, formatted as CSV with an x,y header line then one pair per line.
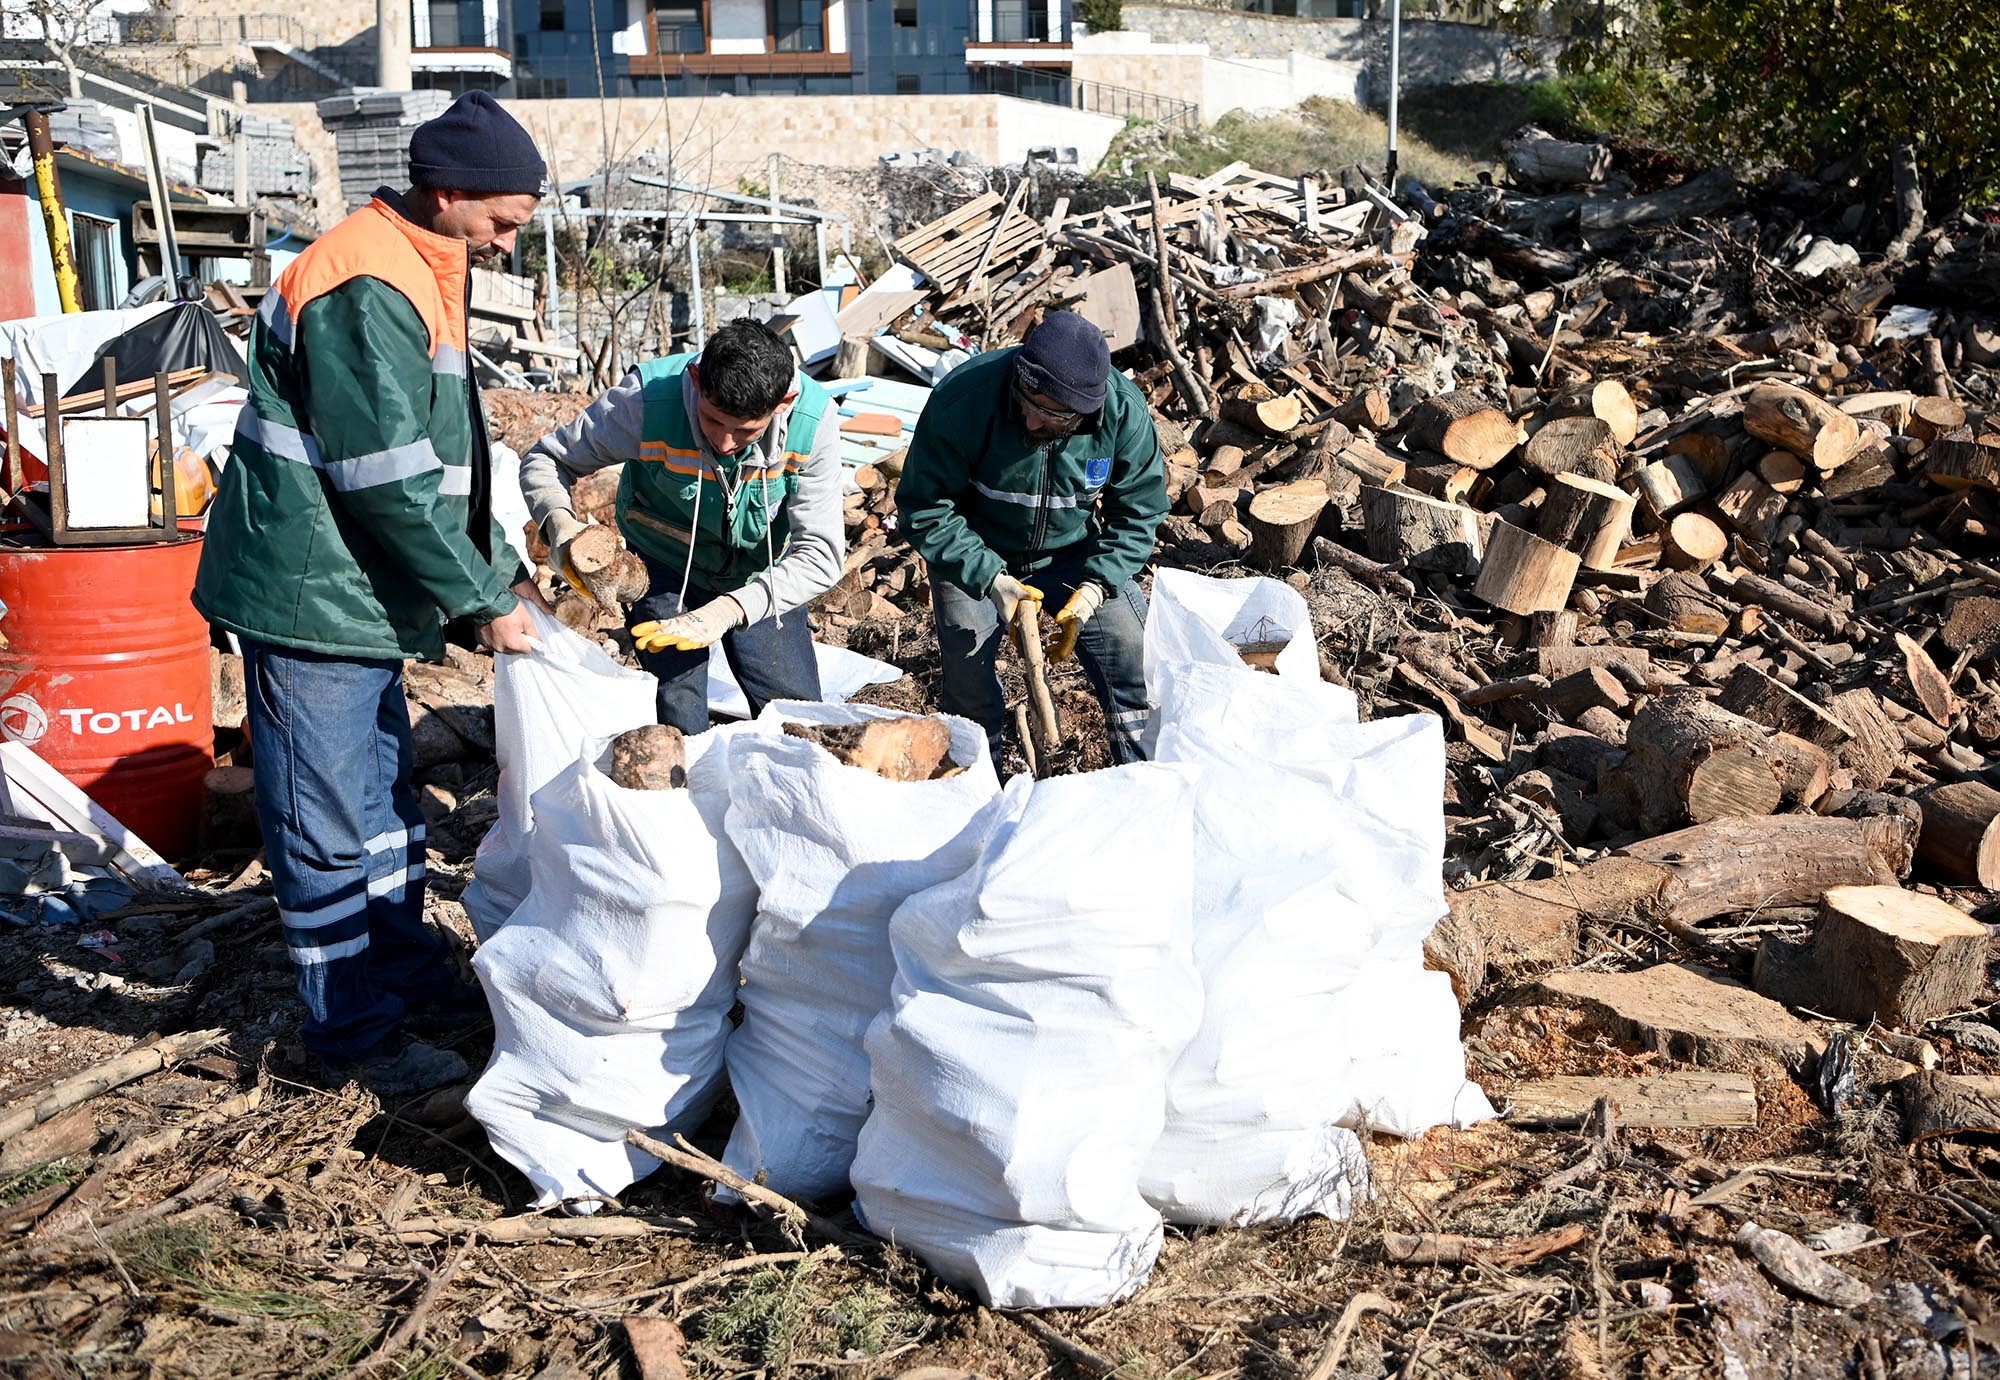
x,y
227,1217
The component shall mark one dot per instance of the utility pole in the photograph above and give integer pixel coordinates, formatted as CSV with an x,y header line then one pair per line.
x,y
1395,81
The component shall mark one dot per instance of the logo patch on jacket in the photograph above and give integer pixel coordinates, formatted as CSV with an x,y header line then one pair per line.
x,y
1096,470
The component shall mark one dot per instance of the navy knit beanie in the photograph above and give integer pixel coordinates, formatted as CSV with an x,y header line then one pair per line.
x,y
475,146
1065,358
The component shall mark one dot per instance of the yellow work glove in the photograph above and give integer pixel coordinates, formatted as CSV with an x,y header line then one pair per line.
x,y
559,529
1006,592
1087,600
690,631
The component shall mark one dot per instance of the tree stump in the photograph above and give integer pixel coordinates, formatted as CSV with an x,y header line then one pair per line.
x,y
1961,833
1880,954
1464,427
1424,532
1573,445
1965,459
1281,522
1591,518
1523,574
1803,423
1689,760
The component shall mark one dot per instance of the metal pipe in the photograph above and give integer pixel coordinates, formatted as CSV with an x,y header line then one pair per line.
x,y
819,243
49,187
549,253
1395,81
697,306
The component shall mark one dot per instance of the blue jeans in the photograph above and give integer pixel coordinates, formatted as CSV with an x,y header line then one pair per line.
x,y
1111,648
770,662
344,841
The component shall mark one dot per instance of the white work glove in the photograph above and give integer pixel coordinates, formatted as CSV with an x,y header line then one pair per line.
x,y
559,529
1006,592
690,630
1087,600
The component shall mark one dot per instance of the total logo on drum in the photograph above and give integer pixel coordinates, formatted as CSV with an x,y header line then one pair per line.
x,y
24,720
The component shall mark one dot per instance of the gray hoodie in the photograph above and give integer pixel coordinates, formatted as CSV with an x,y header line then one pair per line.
x,y
608,433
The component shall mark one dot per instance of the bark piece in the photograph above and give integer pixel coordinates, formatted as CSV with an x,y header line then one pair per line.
x,y
1791,1262
1523,574
1464,427
1880,954
1961,833
649,758
1687,1016
1456,948
1423,532
1866,742
1281,522
1690,760
908,748
1573,445
1586,516
1803,423
1939,1104
1671,1100
1933,691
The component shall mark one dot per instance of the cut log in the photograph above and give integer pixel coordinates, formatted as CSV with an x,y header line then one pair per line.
x,y
1931,418
1260,408
850,361
1693,542
1674,1101
1587,517
1961,833
1783,471
652,757
1370,464
1731,865
1464,427
1684,604
909,748
1422,531
1803,423
1534,155
1965,459
229,810
1751,506
1443,479
1281,522
1523,574
1879,954
1530,927
1872,466
1861,737
1369,407
1806,767
1573,445
1609,401
1556,662
611,575
1690,760
1225,461
1669,484
1592,688
1684,1015
1942,1104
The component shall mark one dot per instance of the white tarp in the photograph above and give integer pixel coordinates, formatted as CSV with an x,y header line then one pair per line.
x,y
1020,1076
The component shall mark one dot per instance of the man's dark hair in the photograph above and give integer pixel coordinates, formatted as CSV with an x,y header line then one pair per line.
x,y
746,371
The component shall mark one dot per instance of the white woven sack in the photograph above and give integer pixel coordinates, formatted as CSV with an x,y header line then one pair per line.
x,y
1020,1076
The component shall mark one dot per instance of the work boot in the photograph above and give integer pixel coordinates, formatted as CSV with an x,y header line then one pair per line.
x,y
402,1068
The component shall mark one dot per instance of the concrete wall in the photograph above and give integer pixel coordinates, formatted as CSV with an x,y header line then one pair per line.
x,y
1434,53
1137,62
330,21
1215,83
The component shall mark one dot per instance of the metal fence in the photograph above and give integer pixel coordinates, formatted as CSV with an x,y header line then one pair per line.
x,y
1101,98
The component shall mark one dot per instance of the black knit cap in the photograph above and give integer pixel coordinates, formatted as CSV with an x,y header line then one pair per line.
x,y
475,146
1066,359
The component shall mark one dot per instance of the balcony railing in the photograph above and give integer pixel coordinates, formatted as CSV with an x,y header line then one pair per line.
x,y
994,21
1102,98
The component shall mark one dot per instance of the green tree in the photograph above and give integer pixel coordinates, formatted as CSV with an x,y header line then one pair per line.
x,y
1101,15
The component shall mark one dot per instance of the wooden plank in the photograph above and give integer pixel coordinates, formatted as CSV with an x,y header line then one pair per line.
x,y
1670,1101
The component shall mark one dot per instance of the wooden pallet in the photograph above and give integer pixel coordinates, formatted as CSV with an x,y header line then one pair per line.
x,y
949,250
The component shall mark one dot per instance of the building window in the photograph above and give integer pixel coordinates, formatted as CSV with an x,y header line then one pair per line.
x,y
800,27
677,27
94,245
444,24
906,14
1020,21
909,84
552,16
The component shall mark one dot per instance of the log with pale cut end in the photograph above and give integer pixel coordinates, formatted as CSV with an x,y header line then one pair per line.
x,y
1224,462
1258,407
1464,427
1693,542
1931,418
1523,574
1369,407
1684,604
909,748
1689,760
1967,458
1281,522
1880,954
1446,480
1573,445
1803,423
649,758
1590,518
1581,691
1669,484
229,810
1961,833
1808,770
1234,536
1424,532
1783,471
1752,506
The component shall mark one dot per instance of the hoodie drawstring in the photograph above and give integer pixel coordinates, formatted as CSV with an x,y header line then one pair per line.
x,y
694,528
